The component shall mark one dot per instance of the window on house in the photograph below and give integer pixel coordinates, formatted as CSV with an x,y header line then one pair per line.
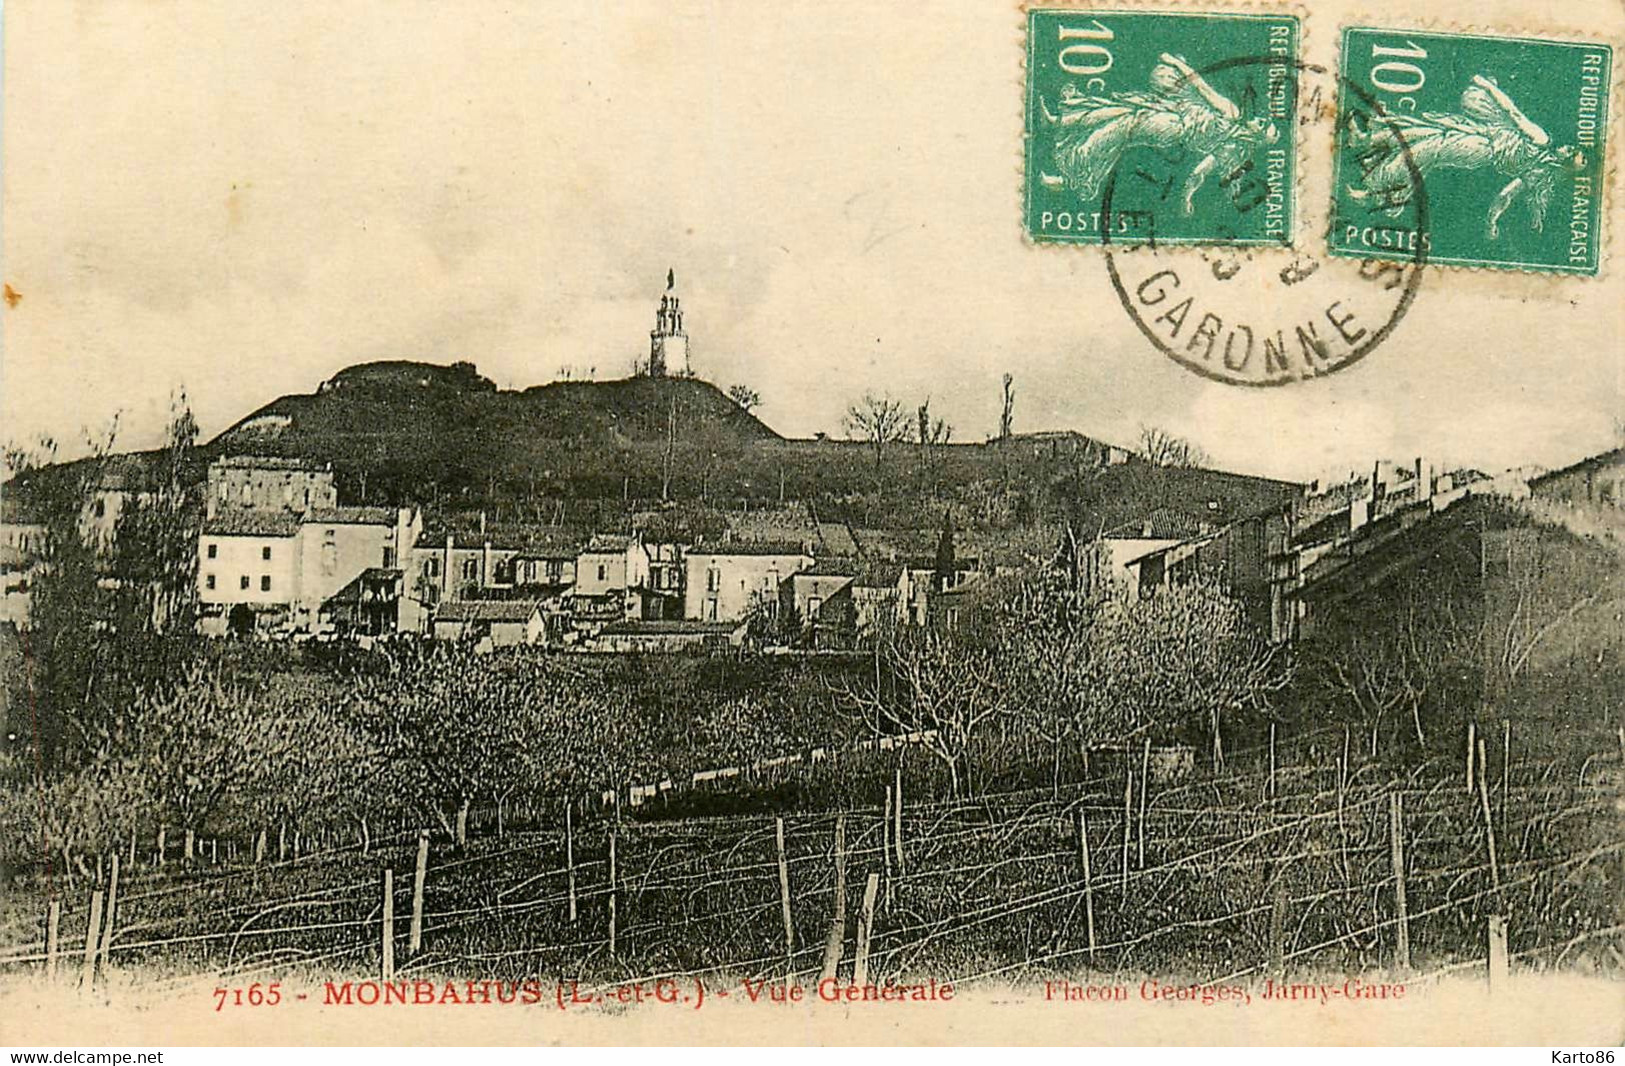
x,y
213,550
953,617
242,582
265,582
710,610
389,556
812,607
713,580
265,553
101,508
431,566
471,569
208,581
601,572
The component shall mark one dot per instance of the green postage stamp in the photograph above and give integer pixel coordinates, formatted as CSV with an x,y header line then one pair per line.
x,y
1504,136
1160,127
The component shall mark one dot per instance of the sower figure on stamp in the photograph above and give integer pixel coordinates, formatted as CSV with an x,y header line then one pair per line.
x,y
1184,113
1491,132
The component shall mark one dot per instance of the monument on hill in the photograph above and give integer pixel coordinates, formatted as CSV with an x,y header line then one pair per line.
x,y
668,344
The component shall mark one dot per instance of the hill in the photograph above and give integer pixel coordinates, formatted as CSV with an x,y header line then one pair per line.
x,y
380,406
592,452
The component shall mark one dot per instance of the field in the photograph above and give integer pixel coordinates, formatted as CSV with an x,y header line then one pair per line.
x,y
1290,861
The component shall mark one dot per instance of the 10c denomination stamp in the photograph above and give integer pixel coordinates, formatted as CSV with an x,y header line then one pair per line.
x,y
1195,110
1508,134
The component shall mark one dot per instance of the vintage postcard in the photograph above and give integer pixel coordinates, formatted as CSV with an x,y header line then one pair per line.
x,y
722,523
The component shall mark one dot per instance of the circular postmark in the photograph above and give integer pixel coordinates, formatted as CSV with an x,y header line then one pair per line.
x,y
1261,313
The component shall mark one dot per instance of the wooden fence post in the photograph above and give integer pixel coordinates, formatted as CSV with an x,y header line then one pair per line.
x,y
784,899
1489,826
259,847
87,972
1506,772
570,852
106,944
1128,819
1145,792
1272,761
1498,963
1278,901
1396,853
419,874
1472,731
885,844
132,849
835,943
612,891
190,850
387,929
866,924
163,836
897,825
282,842
1088,881
53,925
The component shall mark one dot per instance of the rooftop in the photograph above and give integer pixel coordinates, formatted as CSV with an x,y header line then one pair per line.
x,y
486,611
879,575
352,516
267,462
1605,459
533,541
741,547
251,524
674,627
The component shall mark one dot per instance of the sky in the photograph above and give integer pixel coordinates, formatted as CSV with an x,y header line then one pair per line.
x,y
240,199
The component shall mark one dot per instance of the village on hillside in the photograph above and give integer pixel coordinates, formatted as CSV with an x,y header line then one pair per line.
x,y
282,554
626,632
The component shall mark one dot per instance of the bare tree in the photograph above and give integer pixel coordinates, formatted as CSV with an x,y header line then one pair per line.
x,y
930,432
1007,410
745,396
1161,448
1392,668
1186,660
931,435
939,684
878,421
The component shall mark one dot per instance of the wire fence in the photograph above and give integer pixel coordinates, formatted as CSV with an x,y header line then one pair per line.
x,y
1254,871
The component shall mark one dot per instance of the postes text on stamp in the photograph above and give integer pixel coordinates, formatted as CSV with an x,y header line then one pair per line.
x,y
1194,109
1507,135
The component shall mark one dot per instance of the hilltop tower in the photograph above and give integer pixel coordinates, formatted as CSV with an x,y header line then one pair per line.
x,y
668,344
